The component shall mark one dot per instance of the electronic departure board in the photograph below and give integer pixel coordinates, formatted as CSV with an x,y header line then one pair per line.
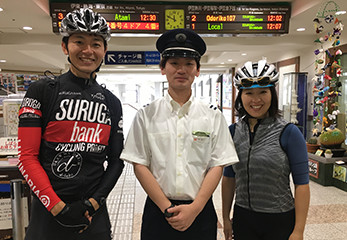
x,y
203,18
128,18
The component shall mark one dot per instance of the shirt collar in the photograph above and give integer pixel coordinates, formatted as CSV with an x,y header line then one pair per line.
x,y
175,107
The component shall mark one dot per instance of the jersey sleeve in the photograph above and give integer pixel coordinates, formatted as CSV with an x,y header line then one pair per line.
x,y
294,145
115,164
29,141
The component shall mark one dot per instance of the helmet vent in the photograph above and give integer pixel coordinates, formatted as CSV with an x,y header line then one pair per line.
x,y
85,20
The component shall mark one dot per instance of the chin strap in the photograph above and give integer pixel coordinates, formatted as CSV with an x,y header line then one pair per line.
x,y
91,78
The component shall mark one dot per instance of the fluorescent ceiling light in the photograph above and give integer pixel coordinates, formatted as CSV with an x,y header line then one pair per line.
x,y
301,29
243,54
1,9
2,60
340,12
229,60
27,28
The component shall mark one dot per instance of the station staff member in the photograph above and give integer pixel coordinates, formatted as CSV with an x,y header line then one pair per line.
x,y
179,146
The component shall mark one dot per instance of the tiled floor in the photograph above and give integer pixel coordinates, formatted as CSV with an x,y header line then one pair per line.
x,y
327,218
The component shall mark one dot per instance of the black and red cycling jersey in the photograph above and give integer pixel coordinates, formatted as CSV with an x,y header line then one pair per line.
x,y
62,150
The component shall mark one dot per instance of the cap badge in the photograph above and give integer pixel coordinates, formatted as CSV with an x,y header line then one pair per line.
x,y
181,37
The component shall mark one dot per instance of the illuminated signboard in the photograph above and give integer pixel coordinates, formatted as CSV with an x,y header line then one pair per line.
x,y
129,18
247,19
203,18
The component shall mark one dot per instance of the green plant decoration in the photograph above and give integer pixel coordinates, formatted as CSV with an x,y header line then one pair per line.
x,y
332,138
312,140
328,151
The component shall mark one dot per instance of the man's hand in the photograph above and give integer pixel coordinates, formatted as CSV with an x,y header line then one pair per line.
x,y
184,216
228,231
73,216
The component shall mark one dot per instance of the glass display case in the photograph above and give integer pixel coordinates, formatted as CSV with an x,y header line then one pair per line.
x,y
294,99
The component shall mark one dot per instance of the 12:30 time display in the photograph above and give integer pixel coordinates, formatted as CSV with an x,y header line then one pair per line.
x,y
148,17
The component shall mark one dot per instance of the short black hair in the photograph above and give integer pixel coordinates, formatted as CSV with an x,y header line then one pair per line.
x,y
273,110
164,60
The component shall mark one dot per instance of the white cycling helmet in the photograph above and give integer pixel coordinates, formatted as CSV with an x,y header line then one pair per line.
x,y
256,75
85,20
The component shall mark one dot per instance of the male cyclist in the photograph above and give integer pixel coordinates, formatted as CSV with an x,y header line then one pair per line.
x,y
70,128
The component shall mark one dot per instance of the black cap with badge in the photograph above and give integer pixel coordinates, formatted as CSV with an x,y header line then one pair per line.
x,y
181,43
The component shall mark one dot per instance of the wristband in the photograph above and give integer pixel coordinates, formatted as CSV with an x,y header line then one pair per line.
x,y
166,213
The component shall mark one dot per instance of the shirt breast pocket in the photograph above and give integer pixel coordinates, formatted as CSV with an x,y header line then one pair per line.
x,y
201,150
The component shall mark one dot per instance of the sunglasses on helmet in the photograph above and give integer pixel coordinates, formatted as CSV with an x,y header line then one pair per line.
x,y
248,82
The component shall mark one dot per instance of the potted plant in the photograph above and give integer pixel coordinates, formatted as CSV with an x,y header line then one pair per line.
x,y
328,153
312,145
332,139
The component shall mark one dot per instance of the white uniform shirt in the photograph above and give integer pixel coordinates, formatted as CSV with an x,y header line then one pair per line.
x,y
179,144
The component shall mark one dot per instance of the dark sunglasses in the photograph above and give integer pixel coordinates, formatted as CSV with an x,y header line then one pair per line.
x,y
262,81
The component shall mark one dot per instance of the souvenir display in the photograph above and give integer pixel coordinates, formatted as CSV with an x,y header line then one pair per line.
x,y
326,84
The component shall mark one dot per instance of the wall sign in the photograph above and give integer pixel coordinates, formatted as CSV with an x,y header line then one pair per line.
x,y
203,18
313,168
129,57
6,213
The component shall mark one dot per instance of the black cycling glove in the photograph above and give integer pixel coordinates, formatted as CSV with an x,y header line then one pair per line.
x,y
72,216
89,207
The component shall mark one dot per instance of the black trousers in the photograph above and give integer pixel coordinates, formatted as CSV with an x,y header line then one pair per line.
x,y
262,226
43,226
156,227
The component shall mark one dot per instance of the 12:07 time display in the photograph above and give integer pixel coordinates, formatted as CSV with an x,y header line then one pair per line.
x,y
274,26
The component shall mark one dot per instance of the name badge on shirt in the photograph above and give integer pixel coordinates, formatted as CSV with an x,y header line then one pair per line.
x,y
200,136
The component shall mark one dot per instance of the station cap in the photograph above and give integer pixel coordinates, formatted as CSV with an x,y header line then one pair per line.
x,y
181,43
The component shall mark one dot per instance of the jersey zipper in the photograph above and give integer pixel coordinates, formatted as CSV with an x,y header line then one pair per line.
x,y
251,141
248,160
248,177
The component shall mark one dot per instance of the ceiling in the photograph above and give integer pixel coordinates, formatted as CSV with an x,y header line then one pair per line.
x,y
39,49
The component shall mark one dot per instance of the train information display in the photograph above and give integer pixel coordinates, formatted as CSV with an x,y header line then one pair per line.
x,y
245,19
203,18
121,18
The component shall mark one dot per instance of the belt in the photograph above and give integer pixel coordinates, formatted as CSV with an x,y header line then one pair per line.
x,y
180,202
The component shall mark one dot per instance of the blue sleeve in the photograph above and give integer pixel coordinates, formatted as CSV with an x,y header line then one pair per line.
x,y
229,171
293,143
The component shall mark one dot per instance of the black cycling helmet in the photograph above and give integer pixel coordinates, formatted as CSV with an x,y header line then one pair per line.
x,y
85,20
256,75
